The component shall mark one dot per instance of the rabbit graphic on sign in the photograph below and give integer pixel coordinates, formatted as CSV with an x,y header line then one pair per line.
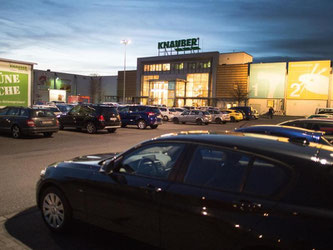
x,y
314,82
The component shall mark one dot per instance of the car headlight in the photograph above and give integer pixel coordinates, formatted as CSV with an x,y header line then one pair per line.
x,y
42,173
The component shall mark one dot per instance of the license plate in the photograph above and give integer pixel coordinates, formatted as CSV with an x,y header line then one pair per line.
x,y
47,122
113,119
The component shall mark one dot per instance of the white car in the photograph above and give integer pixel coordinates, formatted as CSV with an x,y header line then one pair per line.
x,y
166,113
219,117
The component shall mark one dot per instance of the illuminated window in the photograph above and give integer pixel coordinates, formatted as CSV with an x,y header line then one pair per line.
x,y
158,67
180,89
197,85
166,67
145,84
146,68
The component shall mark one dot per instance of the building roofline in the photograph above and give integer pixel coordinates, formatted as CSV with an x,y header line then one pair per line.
x,y
236,53
16,61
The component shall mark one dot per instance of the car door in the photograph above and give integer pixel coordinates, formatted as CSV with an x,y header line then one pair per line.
x,y
84,115
68,120
208,209
124,114
11,118
128,199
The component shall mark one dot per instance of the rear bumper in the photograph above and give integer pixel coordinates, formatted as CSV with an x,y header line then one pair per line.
x,y
37,130
116,126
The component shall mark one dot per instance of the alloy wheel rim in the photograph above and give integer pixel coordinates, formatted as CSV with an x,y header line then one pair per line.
x,y
16,132
90,128
53,210
141,124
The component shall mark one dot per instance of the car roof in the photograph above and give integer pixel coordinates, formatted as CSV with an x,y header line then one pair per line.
x,y
265,145
281,128
314,120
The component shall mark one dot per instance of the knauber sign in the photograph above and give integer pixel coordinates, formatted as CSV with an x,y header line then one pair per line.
x,y
180,45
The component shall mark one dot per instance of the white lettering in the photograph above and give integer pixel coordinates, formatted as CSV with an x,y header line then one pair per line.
x,y
12,90
5,79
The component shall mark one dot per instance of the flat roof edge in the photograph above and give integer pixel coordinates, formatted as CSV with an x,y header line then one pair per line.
x,y
17,61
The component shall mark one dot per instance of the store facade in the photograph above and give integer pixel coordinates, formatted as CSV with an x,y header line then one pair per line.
x,y
177,80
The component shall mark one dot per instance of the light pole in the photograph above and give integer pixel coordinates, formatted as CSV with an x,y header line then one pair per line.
x,y
125,42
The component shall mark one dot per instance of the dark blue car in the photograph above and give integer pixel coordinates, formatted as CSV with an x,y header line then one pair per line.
x,y
140,115
286,131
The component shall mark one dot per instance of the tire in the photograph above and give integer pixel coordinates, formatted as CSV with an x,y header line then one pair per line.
x,y
153,126
224,122
123,125
141,124
175,120
206,123
183,122
112,130
56,211
218,121
48,134
165,118
199,121
232,119
16,132
91,128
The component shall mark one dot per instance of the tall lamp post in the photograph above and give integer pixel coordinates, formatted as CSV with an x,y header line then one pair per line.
x,y
125,42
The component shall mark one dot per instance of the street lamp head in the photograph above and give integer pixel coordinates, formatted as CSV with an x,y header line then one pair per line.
x,y
125,42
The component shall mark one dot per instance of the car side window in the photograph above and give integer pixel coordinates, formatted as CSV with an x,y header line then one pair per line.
x,y
133,109
123,109
217,168
156,160
75,110
13,111
265,178
24,112
3,111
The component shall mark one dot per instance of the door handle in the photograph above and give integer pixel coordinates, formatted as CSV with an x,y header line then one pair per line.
x,y
156,189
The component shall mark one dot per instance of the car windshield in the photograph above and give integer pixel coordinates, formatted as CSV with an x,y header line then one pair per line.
x,y
42,113
65,108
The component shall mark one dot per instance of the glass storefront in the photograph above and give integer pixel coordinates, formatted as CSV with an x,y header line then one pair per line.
x,y
192,92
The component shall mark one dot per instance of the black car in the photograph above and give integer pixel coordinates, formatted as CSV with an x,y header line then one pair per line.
x,y
91,117
313,124
27,121
200,191
140,116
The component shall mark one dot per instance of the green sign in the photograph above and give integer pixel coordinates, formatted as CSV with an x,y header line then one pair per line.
x,y
13,89
267,80
180,45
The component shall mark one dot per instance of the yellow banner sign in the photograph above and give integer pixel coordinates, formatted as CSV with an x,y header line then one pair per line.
x,y
308,80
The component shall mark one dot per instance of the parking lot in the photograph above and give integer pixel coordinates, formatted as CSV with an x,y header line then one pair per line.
x,y
23,159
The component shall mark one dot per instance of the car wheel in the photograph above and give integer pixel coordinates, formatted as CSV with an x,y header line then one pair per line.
x,y
112,130
123,125
232,119
16,132
153,126
48,134
91,128
206,123
61,127
142,124
56,211
175,120
165,118
199,121
183,122
218,120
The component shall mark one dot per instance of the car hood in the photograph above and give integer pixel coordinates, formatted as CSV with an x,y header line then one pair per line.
x,y
92,159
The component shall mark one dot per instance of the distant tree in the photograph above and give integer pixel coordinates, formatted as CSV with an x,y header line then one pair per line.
x,y
240,94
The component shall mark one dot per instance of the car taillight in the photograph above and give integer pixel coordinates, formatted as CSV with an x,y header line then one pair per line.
x,y
30,123
150,113
101,118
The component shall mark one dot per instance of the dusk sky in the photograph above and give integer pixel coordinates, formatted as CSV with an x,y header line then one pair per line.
x,y
83,36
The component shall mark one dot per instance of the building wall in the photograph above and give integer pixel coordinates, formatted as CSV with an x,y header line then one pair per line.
x,y
304,107
97,87
227,79
235,58
130,85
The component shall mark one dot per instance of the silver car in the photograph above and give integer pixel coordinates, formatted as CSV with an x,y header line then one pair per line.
x,y
219,117
193,116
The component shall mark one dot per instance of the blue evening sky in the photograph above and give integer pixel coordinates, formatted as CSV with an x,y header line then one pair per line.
x,y
84,36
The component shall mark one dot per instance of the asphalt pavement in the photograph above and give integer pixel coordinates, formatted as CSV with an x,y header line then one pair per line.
x,y
21,161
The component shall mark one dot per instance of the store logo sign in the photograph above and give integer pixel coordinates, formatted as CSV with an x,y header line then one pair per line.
x,y
180,45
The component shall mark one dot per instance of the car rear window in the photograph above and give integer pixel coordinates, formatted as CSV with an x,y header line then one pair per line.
x,y
163,109
109,111
155,110
42,113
